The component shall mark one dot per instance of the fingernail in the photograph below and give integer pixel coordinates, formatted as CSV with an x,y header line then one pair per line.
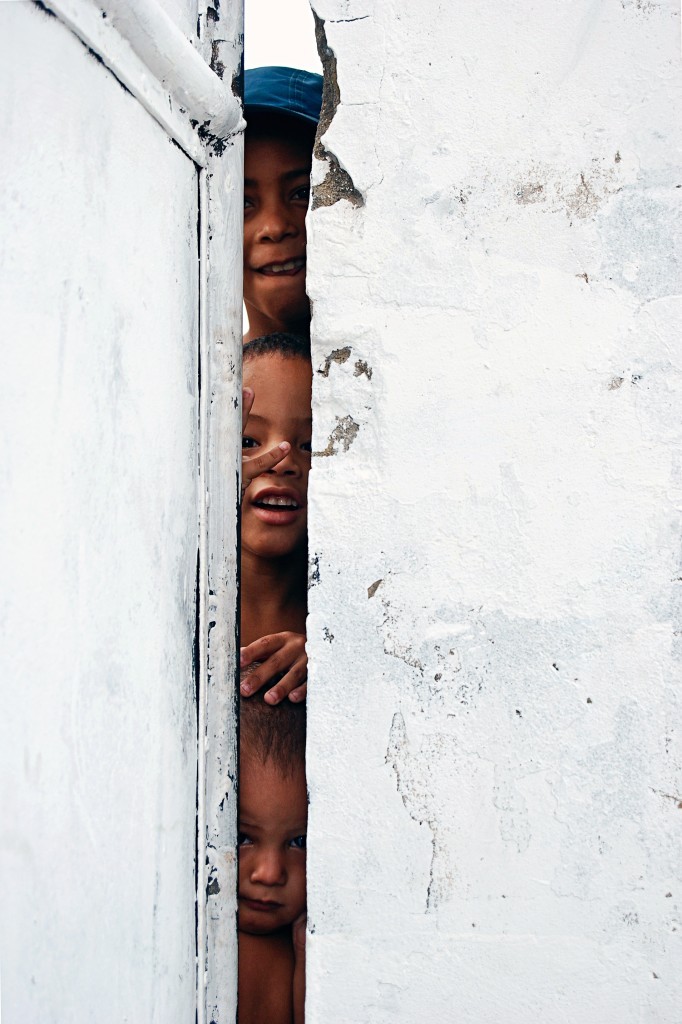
x,y
271,697
245,689
247,392
285,446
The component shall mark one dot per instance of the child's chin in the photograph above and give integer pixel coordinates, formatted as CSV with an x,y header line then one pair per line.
x,y
292,308
278,546
246,923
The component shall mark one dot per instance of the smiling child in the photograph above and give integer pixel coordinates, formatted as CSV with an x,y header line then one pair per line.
x,y
273,812
282,107
274,523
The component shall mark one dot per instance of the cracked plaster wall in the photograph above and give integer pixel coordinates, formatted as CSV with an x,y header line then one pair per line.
x,y
496,592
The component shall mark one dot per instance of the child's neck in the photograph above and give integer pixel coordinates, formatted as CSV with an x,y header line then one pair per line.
x,y
260,325
273,595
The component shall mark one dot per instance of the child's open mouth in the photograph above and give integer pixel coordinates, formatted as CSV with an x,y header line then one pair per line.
x,y
288,268
277,509
274,502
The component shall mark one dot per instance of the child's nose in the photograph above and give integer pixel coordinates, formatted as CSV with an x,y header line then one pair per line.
x,y
289,466
269,868
275,223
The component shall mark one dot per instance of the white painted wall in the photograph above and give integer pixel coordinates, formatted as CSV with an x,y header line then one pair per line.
x,y
494,636
108,455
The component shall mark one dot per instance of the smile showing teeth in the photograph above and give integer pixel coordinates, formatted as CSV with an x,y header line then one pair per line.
x,y
283,268
273,502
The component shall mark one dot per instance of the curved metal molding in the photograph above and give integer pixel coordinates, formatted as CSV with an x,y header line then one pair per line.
x,y
150,56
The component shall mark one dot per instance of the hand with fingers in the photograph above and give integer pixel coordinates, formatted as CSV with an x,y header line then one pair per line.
x,y
280,654
257,464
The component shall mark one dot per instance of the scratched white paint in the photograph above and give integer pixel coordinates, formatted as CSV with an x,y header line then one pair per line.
x,y
496,597
109,456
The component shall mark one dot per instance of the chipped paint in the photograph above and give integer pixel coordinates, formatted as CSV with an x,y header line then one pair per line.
x,y
497,552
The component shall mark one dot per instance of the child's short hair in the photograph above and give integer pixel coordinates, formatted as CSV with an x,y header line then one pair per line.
x,y
290,346
273,732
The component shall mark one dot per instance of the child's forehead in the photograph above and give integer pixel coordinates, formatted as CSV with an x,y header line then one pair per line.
x,y
274,368
277,129
270,156
269,795
289,777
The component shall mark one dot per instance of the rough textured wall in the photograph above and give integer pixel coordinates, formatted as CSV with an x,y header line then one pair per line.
x,y
495,605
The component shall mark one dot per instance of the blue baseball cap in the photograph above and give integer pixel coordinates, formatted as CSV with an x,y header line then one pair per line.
x,y
288,91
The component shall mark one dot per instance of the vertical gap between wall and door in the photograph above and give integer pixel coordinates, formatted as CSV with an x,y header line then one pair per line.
x,y
294,60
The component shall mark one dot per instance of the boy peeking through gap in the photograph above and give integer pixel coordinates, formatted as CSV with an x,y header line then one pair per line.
x,y
274,522
282,108
273,813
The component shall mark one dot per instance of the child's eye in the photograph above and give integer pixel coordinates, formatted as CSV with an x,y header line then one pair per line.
x,y
298,842
302,193
248,203
307,446
243,839
249,442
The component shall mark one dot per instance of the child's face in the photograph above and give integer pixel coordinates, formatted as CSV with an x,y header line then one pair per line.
x,y
276,191
273,815
275,506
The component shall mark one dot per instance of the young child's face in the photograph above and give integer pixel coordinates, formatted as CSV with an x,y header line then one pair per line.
x,y
276,191
273,815
275,506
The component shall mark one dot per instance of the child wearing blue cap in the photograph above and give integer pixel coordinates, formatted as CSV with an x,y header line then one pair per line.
x,y
282,107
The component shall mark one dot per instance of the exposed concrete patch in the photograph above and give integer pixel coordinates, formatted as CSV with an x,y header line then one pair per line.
x,y
337,183
339,355
342,436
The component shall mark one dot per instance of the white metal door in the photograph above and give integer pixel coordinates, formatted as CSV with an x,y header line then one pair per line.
x,y
121,296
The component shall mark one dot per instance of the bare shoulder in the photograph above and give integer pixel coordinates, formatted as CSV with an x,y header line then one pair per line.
x,y
266,970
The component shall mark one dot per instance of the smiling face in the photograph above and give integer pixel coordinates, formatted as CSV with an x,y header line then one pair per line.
x,y
273,815
274,510
276,192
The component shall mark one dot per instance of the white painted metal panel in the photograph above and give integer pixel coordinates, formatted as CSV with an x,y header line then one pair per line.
x,y
99,418
494,753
